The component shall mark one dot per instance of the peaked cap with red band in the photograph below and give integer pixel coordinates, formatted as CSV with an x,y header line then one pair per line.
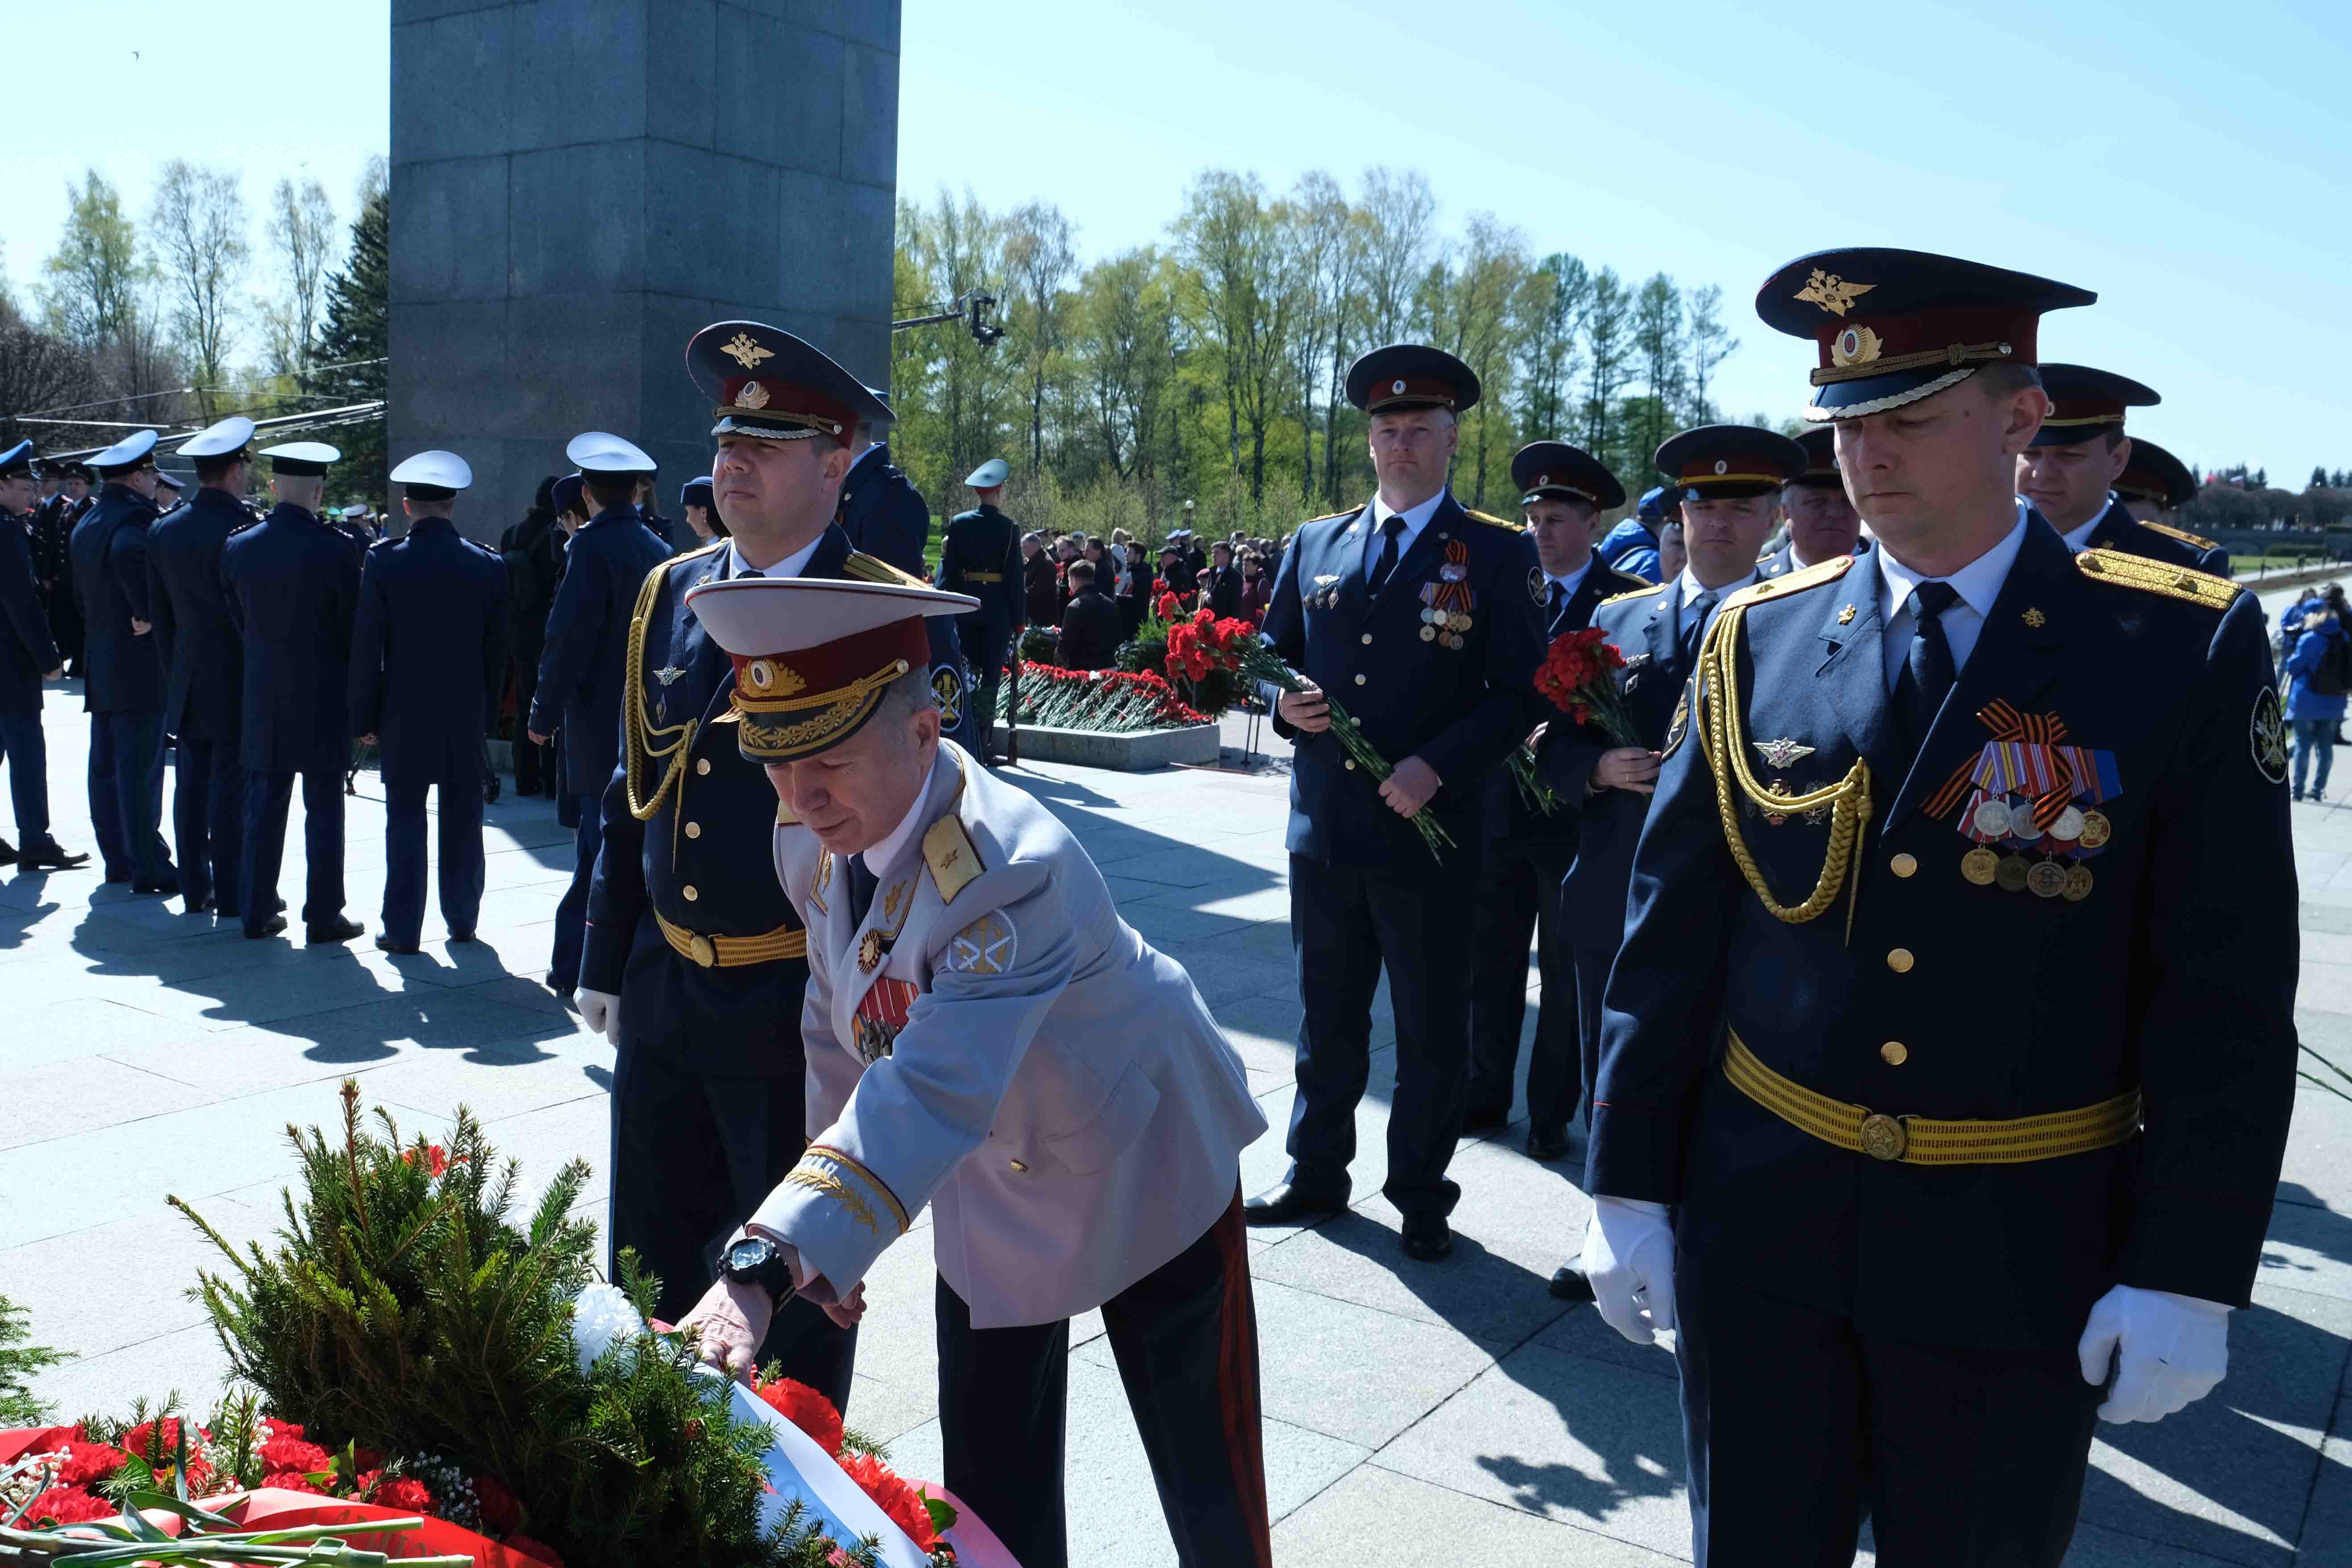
x,y
1554,470
2085,402
2155,475
1411,375
812,655
1895,326
1723,462
762,381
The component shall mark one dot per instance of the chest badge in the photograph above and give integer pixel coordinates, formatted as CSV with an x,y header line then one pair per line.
x,y
668,674
1782,752
869,952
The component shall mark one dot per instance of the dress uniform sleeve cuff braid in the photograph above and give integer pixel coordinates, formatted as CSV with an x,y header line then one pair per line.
x,y
1636,1154
2196,1245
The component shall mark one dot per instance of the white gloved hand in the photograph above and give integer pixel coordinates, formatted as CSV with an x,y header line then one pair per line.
x,y
601,1011
2167,1351
1629,1260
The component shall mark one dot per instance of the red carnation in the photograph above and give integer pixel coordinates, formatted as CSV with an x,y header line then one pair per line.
x,y
894,1496
406,1493
277,1429
436,1158
67,1505
807,1410
1159,585
524,1546
499,1511
88,1463
282,1453
294,1481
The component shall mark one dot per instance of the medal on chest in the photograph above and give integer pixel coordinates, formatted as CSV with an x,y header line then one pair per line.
x,y
2030,801
1447,600
881,1013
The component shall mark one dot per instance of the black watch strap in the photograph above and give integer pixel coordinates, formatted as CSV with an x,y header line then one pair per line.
x,y
756,1260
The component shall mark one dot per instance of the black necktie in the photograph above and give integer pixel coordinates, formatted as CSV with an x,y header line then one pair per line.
x,y
1695,626
1394,529
1927,675
1555,605
862,883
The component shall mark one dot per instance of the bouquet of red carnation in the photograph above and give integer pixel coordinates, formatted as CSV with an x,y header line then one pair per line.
x,y
1205,643
1579,675
1166,607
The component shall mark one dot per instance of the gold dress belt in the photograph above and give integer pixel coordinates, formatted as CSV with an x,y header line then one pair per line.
x,y
983,576
1926,1140
732,951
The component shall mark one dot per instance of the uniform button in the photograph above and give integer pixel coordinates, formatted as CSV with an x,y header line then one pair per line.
x,y
689,892
1351,764
1359,681
1903,865
1894,1053
1367,639
694,830
702,765
1899,961
1019,1169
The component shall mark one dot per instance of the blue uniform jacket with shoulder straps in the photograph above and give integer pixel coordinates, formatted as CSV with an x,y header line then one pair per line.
x,y
2173,973
2115,530
883,513
203,655
429,652
1460,710
587,630
27,651
700,859
1647,626
293,587
123,671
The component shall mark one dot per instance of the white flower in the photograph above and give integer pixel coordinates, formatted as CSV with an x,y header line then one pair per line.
x,y
602,1317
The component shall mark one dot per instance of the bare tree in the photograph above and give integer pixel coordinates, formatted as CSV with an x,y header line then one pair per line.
x,y
198,230
1399,225
1710,343
301,232
1041,253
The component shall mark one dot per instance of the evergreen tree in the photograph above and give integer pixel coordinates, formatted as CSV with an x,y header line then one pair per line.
x,y
354,343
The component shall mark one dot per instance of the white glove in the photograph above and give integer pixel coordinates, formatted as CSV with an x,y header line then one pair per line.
x,y
1629,1260
601,1011
2167,1351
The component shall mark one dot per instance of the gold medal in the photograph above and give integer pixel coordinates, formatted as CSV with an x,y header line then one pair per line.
x,y
869,952
1992,819
2011,873
1429,633
2078,884
2047,880
1980,866
2097,829
2069,826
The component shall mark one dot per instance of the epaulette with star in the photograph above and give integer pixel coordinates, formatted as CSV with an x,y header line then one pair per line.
x,y
950,857
1812,576
2181,534
2183,583
1645,588
1491,521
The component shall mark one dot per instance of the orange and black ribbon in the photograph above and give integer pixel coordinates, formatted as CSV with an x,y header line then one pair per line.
x,y
2045,730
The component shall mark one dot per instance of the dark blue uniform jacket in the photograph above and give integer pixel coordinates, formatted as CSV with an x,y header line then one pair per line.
x,y
123,672
587,636
293,587
883,513
204,657
429,651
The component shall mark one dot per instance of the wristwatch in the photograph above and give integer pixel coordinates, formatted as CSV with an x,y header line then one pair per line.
x,y
756,1260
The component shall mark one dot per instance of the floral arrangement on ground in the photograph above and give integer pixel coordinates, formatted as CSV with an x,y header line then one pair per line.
x,y
1116,702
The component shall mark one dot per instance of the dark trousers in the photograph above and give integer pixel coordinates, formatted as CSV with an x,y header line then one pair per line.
x,y
267,797
1591,978
26,752
126,795
208,822
984,658
462,863
693,1154
1345,922
572,909
534,765
1795,1424
1519,898
1185,1338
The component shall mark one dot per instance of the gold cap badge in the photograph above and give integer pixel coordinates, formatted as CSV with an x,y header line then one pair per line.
x,y
745,351
1832,292
753,396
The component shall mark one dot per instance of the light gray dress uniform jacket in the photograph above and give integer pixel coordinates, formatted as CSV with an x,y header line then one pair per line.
x,y
1024,1062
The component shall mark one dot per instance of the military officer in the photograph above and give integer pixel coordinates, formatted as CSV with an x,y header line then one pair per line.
x,y
123,687
986,1037
1631,546
53,557
1822,523
1415,615
981,557
2070,472
293,585
883,513
427,648
580,668
204,663
1565,491
694,960
2154,485
1928,1212
1726,482
27,658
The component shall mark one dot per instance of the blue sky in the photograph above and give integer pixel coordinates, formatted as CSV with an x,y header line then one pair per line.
x,y
2187,164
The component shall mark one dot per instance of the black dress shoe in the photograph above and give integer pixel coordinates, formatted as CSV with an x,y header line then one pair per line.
x,y
1283,1204
461,936
554,982
7,853
490,793
1547,1142
342,928
1569,1283
167,888
388,945
1485,1119
1427,1237
49,857
199,905
271,926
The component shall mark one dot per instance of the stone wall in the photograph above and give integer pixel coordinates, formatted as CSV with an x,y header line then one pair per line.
x,y
578,185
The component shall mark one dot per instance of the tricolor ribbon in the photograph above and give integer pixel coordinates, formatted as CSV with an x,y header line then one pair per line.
x,y
2024,755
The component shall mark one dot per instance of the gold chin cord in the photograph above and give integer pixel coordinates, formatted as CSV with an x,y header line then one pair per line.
x,y
639,733
1717,698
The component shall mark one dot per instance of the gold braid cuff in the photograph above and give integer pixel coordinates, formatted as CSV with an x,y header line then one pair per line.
x,y
848,1165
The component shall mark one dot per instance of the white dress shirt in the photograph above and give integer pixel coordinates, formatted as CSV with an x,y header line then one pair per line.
x,y
1415,520
1978,583
1567,585
1691,587
2079,539
790,566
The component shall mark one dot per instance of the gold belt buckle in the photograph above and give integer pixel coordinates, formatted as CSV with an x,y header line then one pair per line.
x,y
701,950
1883,1137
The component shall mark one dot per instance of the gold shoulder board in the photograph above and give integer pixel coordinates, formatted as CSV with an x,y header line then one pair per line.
x,y
784,817
2181,534
2128,571
947,851
1636,592
697,549
874,569
1627,583
1829,571
1329,515
1493,521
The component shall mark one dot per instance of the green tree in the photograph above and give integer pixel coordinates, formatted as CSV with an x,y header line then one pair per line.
x,y
354,343
93,278
1658,341
197,229
1240,303
1552,308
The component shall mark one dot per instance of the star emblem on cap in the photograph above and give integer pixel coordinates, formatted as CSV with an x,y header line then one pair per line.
x,y
753,396
1832,292
745,351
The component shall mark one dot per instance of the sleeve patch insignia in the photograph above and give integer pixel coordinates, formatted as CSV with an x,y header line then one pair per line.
x,y
2268,733
1681,725
984,947
946,687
